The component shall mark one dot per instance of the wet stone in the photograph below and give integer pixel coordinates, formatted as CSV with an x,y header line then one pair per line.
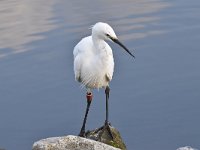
x,y
104,137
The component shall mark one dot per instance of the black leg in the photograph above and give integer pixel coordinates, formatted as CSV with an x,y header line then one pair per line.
x,y
107,92
89,100
106,126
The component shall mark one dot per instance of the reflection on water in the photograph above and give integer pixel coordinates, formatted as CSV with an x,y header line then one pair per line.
x,y
123,16
154,99
23,22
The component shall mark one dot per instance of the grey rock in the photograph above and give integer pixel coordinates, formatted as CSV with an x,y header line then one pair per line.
x,y
187,148
103,136
70,142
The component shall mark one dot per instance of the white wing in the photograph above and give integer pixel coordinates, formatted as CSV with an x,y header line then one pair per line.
x,y
110,65
79,52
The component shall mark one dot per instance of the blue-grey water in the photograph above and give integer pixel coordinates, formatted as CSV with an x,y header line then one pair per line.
x,y
155,98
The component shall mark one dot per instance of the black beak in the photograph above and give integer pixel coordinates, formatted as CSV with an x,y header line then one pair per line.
x,y
119,43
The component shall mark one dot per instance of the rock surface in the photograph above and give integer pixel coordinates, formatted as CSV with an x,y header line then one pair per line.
x,y
70,142
105,137
187,148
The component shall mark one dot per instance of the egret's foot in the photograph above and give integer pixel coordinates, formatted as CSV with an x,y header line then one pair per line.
x,y
82,134
106,129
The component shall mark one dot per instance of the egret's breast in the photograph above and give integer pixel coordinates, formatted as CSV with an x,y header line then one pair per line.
x,y
97,71
94,65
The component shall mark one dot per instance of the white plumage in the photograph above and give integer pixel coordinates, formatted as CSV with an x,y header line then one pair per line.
x,y
94,65
93,58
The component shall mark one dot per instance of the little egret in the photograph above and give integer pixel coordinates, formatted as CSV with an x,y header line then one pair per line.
x,y
94,65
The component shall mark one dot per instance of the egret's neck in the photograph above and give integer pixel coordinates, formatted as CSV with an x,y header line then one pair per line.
x,y
98,43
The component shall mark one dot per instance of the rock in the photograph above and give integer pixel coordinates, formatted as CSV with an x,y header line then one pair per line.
x,y
70,142
187,148
105,138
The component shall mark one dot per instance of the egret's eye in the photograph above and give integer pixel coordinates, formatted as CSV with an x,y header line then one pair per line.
x,y
107,35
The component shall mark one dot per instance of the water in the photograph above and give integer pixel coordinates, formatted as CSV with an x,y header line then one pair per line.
x,y
154,99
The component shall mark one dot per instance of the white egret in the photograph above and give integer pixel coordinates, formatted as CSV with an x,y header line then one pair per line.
x,y
94,65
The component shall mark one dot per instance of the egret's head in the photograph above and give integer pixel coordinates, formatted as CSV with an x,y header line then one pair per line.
x,y
103,31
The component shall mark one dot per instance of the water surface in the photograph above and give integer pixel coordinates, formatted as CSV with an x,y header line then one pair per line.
x,y
154,99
